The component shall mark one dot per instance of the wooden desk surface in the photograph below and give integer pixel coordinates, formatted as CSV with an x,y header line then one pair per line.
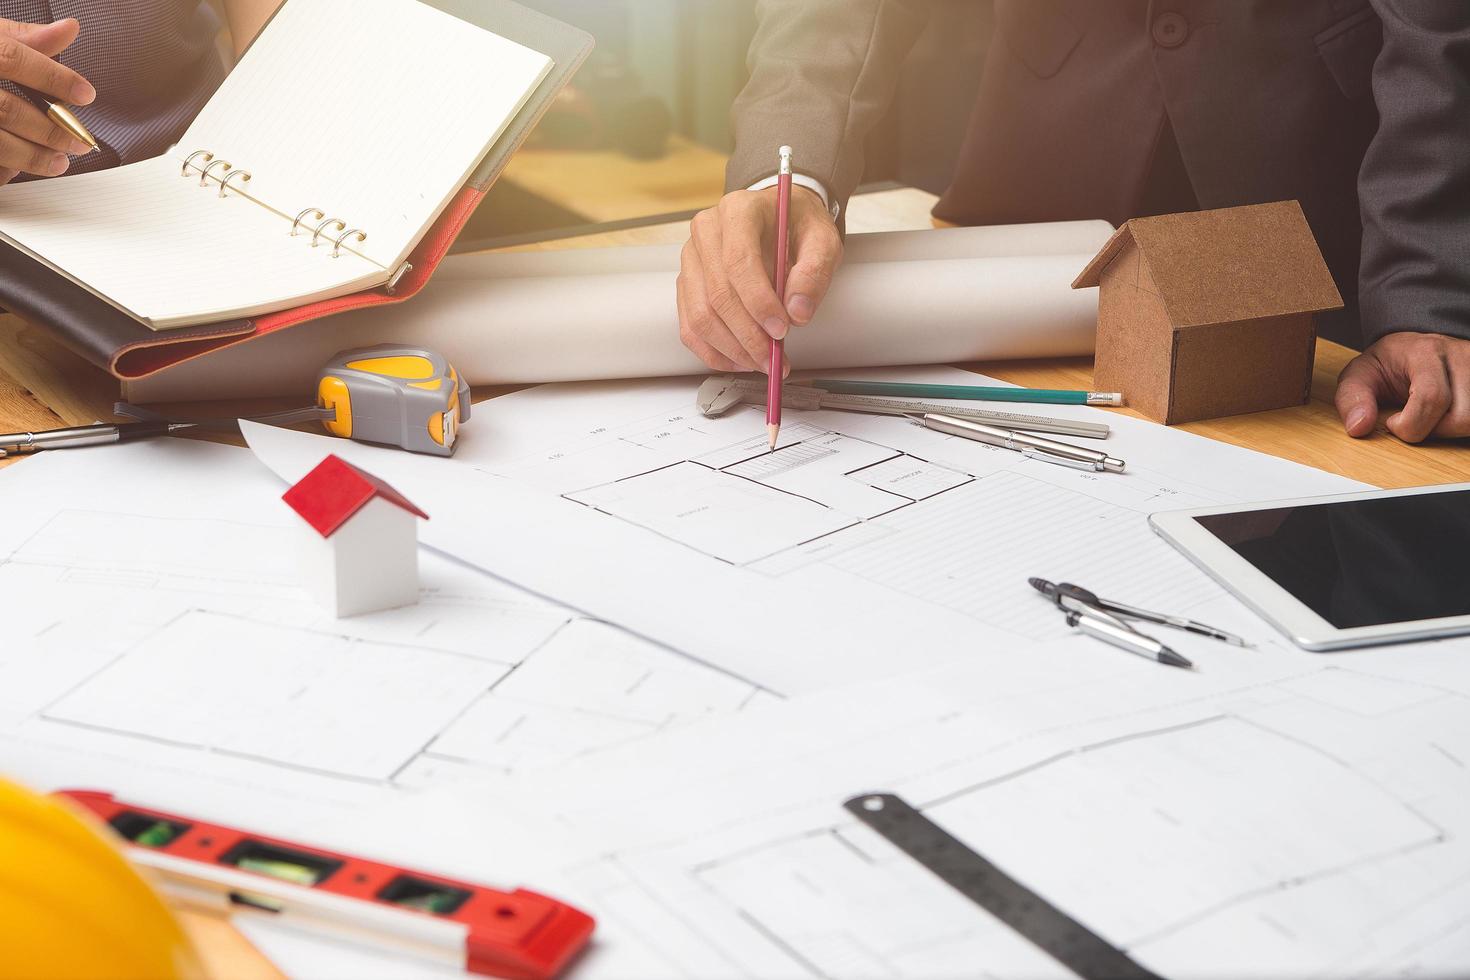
x,y
44,385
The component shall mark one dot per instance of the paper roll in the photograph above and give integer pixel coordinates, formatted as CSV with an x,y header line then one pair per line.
x,y
914,297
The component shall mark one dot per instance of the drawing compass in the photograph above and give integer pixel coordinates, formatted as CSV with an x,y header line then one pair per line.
x,y
1074,598
719,395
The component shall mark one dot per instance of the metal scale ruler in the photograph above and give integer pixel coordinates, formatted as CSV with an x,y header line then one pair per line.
x,y
1063,938
718,395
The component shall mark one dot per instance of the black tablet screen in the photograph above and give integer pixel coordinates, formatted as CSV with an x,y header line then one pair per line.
x,y
1362,562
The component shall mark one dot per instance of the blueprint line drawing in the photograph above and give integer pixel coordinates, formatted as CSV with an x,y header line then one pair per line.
x,y
1172,824
935,532
201,642
742,502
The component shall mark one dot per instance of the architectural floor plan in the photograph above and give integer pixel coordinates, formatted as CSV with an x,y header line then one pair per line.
x,y
631,506
1183,803
170,629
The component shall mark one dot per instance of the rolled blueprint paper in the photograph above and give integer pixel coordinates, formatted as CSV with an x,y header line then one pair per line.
x,y
913,297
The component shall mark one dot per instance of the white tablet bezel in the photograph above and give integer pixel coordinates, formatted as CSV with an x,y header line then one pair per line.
x,y
1300,624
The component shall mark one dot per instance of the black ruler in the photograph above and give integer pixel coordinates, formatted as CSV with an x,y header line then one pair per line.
x,y
1063,938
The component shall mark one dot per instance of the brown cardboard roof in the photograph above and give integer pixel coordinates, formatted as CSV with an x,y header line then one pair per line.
x,y
1226,265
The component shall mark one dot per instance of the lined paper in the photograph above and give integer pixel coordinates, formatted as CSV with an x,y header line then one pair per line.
x,y
374,111
163,249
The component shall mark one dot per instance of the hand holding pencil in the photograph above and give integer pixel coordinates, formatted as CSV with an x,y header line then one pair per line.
x,y
728,310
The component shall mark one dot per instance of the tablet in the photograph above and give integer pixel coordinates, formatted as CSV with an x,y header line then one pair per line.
x,y
1349,570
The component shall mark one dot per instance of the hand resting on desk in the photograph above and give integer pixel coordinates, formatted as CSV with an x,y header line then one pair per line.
x,y
728,310
1427,373
29,142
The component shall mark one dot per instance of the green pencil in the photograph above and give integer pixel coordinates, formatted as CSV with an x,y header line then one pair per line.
x,y
1049,396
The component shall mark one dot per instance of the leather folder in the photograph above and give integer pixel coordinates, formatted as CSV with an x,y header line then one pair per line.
x,y
121,345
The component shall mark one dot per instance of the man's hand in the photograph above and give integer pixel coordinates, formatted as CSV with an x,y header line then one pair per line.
x,y
29,142
728,310
1427,373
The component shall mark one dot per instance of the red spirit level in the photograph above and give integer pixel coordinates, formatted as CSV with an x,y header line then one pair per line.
x,y
518,934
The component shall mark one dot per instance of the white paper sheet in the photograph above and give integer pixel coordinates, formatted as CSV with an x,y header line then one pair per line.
x,y
1281,814
815,565
159,646
581,314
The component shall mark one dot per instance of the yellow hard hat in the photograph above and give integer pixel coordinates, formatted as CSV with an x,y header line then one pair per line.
x,y
71,906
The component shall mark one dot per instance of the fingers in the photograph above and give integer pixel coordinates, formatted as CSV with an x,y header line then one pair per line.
x,y
1429,399
1359,389
700,329
727,303
816,250
27,157
24,65
745,219
49,39
707,232
7,175
19,117
1456,421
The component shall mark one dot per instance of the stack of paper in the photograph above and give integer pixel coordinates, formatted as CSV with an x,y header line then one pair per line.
x,y
652,660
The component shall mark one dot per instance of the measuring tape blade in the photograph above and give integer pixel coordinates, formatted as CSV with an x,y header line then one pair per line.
x,y
1063,938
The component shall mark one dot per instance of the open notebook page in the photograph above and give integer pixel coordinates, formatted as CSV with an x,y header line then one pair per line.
x,y
375,111
169,252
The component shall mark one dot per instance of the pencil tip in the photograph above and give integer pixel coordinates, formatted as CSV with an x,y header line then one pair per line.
x,y
1173,659
774,432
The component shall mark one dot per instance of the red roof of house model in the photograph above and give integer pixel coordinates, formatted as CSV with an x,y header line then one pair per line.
x,y
334,491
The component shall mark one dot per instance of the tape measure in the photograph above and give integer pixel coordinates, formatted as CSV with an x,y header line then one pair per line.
x,y
407,397
402,396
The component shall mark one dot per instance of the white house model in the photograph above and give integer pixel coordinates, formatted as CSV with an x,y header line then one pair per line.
x,y
360,546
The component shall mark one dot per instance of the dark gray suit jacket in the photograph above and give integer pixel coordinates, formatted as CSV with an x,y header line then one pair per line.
x,y
1359,109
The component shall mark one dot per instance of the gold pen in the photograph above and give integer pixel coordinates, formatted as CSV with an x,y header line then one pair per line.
x,y
60,115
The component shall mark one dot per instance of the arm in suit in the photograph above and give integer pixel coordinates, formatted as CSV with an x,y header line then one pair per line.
x,y
1414,188
822,73
1413,191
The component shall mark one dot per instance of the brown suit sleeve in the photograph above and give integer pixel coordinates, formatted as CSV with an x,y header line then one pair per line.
x,y
1414,186
822,73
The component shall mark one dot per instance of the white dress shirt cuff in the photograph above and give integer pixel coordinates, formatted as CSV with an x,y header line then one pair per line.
x,y
802,180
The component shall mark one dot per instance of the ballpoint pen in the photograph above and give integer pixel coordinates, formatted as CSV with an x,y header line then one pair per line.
x,y
77,436
1036,447
775,368
1070,596
59,114
1109,630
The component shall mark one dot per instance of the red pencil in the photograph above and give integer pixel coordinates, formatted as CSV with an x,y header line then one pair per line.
x,y
783,232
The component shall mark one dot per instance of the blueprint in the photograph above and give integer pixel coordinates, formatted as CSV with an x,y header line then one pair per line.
x,y
864,545
1292,815
159,645
1274,813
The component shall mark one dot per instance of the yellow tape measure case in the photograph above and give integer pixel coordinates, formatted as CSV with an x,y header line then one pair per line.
x,y
400,396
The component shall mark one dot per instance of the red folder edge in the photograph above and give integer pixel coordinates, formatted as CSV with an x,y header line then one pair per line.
x,y
141,360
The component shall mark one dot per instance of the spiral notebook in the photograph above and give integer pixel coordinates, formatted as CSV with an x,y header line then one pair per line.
x,y
312,173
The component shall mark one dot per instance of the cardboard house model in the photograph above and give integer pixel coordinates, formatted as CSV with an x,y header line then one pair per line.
x,y
360,544
1209,313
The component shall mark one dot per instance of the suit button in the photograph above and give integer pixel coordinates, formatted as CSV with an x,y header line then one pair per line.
x,y
1170,30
